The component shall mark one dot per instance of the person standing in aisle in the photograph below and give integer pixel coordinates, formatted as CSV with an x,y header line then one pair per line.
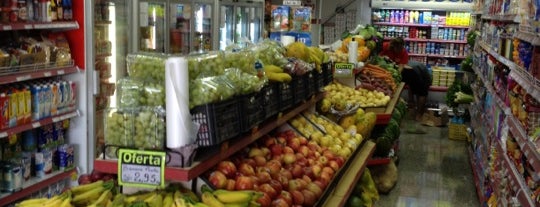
x,y
414,74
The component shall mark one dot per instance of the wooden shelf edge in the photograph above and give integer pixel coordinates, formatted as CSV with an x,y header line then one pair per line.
x,y
345,185
38,184
235,145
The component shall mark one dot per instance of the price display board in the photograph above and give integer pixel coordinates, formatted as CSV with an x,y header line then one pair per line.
x,y
141,168
344,70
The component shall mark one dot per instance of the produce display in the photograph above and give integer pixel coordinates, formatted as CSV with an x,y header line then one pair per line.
x,y
206,65
276,74
375,78
459,93
270,53
364,193
243,60
145,66
341,97
368,40
287,169
360,121
385,137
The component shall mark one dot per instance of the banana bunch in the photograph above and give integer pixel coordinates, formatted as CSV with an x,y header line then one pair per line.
x,y
275,73
226,198
62,200
317,56
93,194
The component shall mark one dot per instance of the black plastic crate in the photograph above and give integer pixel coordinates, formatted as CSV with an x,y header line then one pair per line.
x,y
328,75
251,110
286,95
300,88
311,83
217,122
319,81
271,100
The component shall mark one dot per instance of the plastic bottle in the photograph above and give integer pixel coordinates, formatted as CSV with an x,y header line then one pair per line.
x,y
392,17
421,18
406,17
387,16
353,51
415,17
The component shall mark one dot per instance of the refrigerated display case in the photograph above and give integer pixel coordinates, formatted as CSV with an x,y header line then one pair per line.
x,y
174,26
240,21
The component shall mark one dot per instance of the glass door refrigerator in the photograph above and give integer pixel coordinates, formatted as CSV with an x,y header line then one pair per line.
x,y
110,20
240,21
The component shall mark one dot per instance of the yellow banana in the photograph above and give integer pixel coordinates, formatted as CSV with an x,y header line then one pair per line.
x,y
83,188
254,204
109,203
66,202
56,202
118,200
31,202
157,201
210,200
168,200
199,204
136,197
179,202
87,196
226,196
103,198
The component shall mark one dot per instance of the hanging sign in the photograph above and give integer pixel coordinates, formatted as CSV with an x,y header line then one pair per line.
x,y
344,70
292,2
141,168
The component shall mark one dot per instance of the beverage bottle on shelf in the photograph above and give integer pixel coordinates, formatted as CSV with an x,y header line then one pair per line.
x,y
400,16
392,17
387,16
59,10
52,11
406,16
415,19
421,18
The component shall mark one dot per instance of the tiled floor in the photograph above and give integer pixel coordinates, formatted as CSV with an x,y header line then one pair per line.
x,y
433,171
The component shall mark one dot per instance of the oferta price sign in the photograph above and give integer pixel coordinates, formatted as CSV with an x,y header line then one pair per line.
x,y
344,70
141,168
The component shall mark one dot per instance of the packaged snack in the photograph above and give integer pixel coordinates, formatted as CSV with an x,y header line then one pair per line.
x,y
301,19
280,18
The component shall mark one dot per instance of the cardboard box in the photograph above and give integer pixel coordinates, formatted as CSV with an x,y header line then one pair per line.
x,y
435,118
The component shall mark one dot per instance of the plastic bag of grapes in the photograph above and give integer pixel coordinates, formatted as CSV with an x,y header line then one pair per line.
x,y
245,83
209,90
149,128
147,66
270,52
153,94
243,60
206,65
118,128
130,92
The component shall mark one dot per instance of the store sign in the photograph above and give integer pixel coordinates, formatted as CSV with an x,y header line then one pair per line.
x,y
141,168
344,70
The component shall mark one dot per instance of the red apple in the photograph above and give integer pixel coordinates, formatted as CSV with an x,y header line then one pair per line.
x,y
276,185
298,197
334,165
269,141
283,181
303,140
297,171
280,202
294,143
317,154
84,179
259,160
329,170
309,198
317,170
311,161
96,175
299,156
309,172
326,177
276,149
286,173
248,161
281,140
289,158
218,179
227,167
285,195
329,154
340,160
264,177
268,189
322,160
255,152
295,185
303,183
246,169
265,151
230,184
274,166
304,150
265,200
302,162
288,149
244,183
320,184
313,146
306,178
315,189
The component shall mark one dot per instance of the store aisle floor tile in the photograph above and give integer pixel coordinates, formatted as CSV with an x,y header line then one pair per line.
x,y
433,171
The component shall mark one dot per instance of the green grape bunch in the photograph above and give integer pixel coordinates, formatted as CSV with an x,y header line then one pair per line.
x,y
130,92
153,94
243,60
149,130
147,67
209,90
206,65
116,132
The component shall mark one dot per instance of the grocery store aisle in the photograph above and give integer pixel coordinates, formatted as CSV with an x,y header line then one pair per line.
x,y
433,171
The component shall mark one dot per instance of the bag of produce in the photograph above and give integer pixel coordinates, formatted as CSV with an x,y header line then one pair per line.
x,y
209,90
118,129
153,94
149,126
270,52
242,59
245,83
206,65
297,67
130,92
147,66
